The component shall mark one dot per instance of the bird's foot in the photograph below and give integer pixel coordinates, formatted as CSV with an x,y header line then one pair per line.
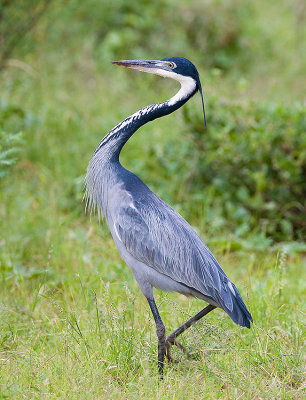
x,y
172,342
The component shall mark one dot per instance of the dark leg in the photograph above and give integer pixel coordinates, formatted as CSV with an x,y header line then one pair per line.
x,y
171,339
161,334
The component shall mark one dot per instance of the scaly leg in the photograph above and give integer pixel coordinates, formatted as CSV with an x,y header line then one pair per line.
x,y
161,335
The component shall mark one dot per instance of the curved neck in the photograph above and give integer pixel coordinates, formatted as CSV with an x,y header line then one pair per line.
x,y
111,145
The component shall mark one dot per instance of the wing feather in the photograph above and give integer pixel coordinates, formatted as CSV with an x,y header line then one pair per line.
x,y
158,236
155,234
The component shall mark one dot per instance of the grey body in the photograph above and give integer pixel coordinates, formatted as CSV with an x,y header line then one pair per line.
x,y
154,241
160,247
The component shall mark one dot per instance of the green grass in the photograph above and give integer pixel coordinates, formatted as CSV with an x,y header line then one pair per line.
x,y
78,327
73,322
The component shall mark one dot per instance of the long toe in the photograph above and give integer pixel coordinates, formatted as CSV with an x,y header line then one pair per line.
x,y
181,347
168,353
170,343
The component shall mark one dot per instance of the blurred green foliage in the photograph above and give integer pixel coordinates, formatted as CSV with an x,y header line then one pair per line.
x,y
248,165
11,142
17,19
253,157
9,147
154,28
136,29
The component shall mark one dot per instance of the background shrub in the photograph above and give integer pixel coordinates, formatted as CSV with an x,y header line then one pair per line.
x,y
254,156
131,29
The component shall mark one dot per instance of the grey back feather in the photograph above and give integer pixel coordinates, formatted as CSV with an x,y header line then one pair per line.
x,y
155,234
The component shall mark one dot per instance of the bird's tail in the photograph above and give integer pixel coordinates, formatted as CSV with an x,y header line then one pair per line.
x,y
236,308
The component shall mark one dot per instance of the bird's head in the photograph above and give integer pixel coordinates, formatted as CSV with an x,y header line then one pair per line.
x,y
177,68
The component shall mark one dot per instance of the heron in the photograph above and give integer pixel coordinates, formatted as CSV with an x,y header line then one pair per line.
x,y
159,246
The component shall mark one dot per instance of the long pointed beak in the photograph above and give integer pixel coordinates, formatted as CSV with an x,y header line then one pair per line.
x,y
141,65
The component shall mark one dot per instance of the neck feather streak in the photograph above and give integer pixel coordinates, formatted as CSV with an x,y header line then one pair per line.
x,y
120,134
106,155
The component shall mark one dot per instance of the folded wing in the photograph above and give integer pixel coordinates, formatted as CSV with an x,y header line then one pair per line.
x,y
158,236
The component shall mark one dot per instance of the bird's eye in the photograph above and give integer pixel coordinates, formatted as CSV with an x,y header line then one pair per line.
x,y
171,65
